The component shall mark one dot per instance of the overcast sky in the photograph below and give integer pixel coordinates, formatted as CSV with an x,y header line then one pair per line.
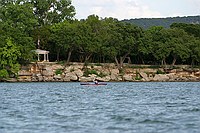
x,y
127,9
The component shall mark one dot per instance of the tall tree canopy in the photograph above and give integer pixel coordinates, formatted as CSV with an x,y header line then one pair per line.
x,y
17,22
52,11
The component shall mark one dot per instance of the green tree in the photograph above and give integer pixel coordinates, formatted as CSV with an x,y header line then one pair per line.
x,y
194,47
159,43
17,22
49,12
179,43
53,11
121,40
9,55
191,29
89,31
65,37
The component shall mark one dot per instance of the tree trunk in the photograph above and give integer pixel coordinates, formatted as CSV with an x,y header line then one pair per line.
x,y
117,62
69,56
192,63
121,61
163,63
174,61
129,60
140,57
58,55
87,57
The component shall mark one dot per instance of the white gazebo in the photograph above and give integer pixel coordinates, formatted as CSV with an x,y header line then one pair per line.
x,y
42,52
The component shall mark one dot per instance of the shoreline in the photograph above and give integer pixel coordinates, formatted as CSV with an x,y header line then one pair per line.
x,y
108,72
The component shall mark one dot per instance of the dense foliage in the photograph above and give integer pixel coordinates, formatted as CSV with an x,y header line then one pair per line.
x,y
26,25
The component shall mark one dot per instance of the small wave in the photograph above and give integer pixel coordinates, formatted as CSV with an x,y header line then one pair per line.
x,y
115,128
121,118
149,121
192,110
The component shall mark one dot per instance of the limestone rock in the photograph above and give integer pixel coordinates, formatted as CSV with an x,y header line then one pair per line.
x,y
40,78
119,78
48,78
104,79
57,66
160,77
128,77
34,79
78,72
11,80
86,79
197,73
24,73
70,77
113,77
144,76
114,72
47,73
59,77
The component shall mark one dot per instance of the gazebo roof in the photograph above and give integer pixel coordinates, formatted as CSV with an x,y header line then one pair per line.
x,y
39,51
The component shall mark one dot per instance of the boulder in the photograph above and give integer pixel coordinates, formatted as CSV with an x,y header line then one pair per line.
x,y
78,73
128,77
86,79
57,77
24,73
144,76
92,76
57,66
47,73
113,77
75,67
98,67
70,68
48,78
119,78
34,79
114,72
70,77
104,79
47,67
161,77
197,73
40,78
11,80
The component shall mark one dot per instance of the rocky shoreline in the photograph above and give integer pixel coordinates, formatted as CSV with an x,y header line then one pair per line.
x,y
78,72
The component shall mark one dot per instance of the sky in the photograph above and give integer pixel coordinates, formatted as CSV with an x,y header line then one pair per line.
x,y
130,9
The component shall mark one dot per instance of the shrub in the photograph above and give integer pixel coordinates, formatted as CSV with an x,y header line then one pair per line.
x,y
160,72
58,71
102,75
4,74
154,66
137,66
98,64
88,72
137,76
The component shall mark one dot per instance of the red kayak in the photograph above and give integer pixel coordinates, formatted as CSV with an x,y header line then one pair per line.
x,y
93,84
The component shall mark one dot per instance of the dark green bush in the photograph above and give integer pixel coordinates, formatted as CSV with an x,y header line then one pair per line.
x,y
58,71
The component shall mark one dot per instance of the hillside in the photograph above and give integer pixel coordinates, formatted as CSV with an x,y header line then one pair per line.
x,y
165,22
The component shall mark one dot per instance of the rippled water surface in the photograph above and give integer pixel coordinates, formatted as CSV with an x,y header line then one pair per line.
x,y
115,108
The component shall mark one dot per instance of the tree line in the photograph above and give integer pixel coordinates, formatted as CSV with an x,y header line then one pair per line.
x,y
26,25
165,22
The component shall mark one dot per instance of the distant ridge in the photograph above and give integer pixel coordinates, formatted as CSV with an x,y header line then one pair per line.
x,y
165,22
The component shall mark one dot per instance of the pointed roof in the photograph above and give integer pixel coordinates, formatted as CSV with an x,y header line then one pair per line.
x,y
39,51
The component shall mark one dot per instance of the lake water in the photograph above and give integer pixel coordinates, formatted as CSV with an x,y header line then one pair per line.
x,y
153,107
